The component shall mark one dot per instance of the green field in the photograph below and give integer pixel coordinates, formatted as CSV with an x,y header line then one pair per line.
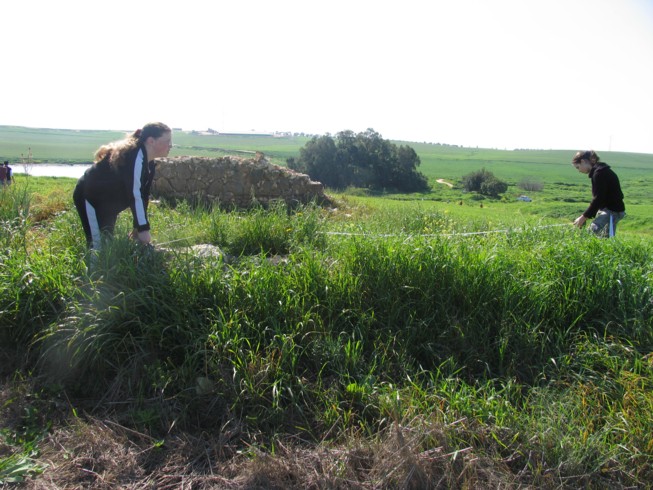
x,y
76,146
388,341
564,195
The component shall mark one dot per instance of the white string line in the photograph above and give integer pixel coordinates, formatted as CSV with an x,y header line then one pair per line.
x,y
394,235
178,240
471,233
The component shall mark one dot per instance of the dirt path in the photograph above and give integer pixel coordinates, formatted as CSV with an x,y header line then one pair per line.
x,y
442,181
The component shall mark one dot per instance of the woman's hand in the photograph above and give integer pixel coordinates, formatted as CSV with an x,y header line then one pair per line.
x,y
580,221
142,236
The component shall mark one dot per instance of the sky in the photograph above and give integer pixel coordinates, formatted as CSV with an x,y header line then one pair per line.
x,y
506,74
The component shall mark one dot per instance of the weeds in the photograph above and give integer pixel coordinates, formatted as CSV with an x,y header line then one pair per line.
x,y
529,346
20,440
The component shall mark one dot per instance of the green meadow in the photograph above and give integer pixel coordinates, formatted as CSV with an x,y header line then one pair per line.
x,y
563,196
435,340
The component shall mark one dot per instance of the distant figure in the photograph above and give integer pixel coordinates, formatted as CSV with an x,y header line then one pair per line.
x,y
121,178
9,176
3,174
607,205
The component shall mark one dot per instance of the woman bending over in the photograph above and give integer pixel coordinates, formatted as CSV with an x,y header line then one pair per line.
x,y
121,178
607,205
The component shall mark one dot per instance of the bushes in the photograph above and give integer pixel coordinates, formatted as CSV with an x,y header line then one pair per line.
x,y
484,182
361,160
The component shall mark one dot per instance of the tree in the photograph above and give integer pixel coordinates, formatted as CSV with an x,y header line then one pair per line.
x,y
493,187
405,172
484,182
362,160
316,159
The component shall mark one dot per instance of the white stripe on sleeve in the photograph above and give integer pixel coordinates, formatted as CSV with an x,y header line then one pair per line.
x,y
136,190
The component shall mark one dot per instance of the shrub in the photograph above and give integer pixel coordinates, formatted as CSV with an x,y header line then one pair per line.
x,y
493,187
484,182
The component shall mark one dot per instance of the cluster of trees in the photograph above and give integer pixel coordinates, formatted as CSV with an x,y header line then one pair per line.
x,y
485,183
360,160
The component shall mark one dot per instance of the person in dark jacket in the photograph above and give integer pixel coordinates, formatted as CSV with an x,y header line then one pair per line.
x,y
8,172
121,178
607,205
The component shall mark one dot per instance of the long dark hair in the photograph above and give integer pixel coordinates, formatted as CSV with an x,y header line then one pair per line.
x,y
116,150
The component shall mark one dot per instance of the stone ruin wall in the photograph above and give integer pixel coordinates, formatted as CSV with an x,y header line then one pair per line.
x,y
233,182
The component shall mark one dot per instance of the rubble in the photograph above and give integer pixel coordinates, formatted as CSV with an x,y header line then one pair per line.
x,y
232,181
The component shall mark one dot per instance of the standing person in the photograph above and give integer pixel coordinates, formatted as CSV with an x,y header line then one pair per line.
x,y
9,173
3,174
121,178
607,205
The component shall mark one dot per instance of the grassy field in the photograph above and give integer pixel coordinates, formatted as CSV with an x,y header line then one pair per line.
x,y
392,341
77,146
564,195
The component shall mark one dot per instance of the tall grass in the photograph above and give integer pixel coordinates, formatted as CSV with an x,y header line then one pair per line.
x,y
36,273
531,346
14,210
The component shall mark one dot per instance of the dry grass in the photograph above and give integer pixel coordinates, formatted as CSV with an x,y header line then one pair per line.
x,y
44,207
98,453
95,451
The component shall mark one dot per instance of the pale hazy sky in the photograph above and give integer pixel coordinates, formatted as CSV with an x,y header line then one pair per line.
x,y
564,74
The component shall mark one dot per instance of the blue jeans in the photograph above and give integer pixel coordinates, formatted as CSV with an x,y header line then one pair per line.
x,y
605,222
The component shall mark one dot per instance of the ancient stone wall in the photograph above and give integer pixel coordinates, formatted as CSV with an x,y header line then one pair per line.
x,y
232,181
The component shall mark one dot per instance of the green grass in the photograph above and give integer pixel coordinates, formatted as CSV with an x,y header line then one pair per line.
x,y
565,192
52,145
75,146
497,334
25,436
323,322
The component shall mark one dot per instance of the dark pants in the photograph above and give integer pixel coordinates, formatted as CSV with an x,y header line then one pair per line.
x,y
605,222
96,220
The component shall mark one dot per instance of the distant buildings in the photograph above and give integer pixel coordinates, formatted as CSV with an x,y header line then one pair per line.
x,y
275,134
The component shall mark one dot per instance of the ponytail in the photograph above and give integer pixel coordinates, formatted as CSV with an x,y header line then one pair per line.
x,y
113,151
592,156
589,155
154,130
